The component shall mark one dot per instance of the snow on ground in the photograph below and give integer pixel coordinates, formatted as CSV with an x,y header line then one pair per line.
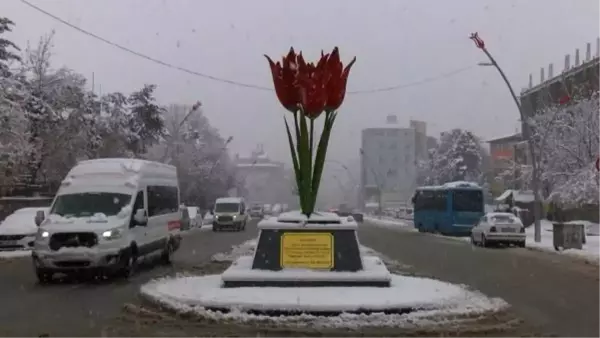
x,y
15,254
427,297
434,302
590,251
389,222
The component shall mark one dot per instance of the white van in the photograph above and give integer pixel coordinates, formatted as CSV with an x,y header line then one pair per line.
x,y
230,213
107,214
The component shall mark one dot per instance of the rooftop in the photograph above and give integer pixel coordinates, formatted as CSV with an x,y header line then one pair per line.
x,y
511,138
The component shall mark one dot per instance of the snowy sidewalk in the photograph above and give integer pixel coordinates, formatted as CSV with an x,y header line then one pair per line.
x,y
590,251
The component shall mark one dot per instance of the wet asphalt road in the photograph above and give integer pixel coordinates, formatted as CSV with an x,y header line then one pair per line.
x,y
554,294
74,308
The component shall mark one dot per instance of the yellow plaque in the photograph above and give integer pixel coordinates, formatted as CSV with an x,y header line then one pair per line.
x,y
308,250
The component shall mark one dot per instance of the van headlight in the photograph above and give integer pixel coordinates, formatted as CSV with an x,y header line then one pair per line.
x,y
42,235
112,233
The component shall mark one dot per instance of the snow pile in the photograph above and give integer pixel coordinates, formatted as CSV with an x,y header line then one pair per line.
x,y
590,251
425,297
15,254
389,222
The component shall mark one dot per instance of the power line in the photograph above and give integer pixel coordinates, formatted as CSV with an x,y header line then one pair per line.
x,y
223,80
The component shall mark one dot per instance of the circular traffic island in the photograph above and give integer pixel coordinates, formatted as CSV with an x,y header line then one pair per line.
x,y
409,306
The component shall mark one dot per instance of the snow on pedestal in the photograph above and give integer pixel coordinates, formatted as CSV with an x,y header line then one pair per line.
x,y
293,250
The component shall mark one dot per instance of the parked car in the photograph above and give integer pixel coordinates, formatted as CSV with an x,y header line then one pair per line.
x,y
498,227
208,218
256,211
107,228
358,216
195,217
230,213
18,230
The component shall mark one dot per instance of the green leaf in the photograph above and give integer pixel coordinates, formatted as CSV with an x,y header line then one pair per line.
x,y
305,164
321,155
297,172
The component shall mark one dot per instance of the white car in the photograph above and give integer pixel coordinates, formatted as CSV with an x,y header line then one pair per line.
x,y
208,218
195,217
18,230
498,227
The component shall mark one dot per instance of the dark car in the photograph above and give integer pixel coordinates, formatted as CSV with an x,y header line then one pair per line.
x,y
358,216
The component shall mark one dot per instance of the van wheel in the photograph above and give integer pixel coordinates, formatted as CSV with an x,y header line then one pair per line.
x,y
43,276
128,261
167,254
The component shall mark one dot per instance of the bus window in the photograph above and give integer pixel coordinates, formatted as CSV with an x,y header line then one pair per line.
x,y
439,200
467,200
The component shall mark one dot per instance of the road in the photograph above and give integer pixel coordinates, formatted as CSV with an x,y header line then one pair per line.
x,y
553,294
88,308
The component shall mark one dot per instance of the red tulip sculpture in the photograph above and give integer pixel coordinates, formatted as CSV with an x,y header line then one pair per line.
x,y
308,90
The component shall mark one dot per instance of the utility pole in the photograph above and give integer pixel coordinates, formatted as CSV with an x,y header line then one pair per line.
x,y
535,183
377,183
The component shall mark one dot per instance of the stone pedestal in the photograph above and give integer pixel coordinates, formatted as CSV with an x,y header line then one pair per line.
x,y
294,251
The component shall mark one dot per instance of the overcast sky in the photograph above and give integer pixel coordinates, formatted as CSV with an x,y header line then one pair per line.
x,y
396,42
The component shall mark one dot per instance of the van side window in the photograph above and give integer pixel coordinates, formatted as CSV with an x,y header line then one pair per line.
x,y
138,204
162,200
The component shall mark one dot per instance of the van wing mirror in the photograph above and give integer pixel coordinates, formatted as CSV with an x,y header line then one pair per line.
x,y
141,217
39,217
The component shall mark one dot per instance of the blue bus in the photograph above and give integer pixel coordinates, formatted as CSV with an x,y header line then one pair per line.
x,y
450,209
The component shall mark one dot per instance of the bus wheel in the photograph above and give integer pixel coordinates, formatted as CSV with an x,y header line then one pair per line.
x,y
473,241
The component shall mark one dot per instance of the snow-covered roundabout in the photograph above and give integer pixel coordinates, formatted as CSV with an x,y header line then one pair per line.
x,y
409,302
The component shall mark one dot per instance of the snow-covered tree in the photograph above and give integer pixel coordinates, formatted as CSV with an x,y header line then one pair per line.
x,y
199,153
566,140
14,138
55,95
458,156
7,48
146,120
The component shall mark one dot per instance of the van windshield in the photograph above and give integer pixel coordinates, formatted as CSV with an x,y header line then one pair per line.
x,y
89,203
227,207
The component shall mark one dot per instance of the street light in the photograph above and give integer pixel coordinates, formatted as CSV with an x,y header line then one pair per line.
x,y
347,170
377,181
535,184
218,160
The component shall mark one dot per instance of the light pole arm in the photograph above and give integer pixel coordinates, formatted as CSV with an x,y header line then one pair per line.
x,y
535,183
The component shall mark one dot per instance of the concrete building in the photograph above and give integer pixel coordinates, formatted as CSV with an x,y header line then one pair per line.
x,y
505,153
579,78
261,180
388,164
